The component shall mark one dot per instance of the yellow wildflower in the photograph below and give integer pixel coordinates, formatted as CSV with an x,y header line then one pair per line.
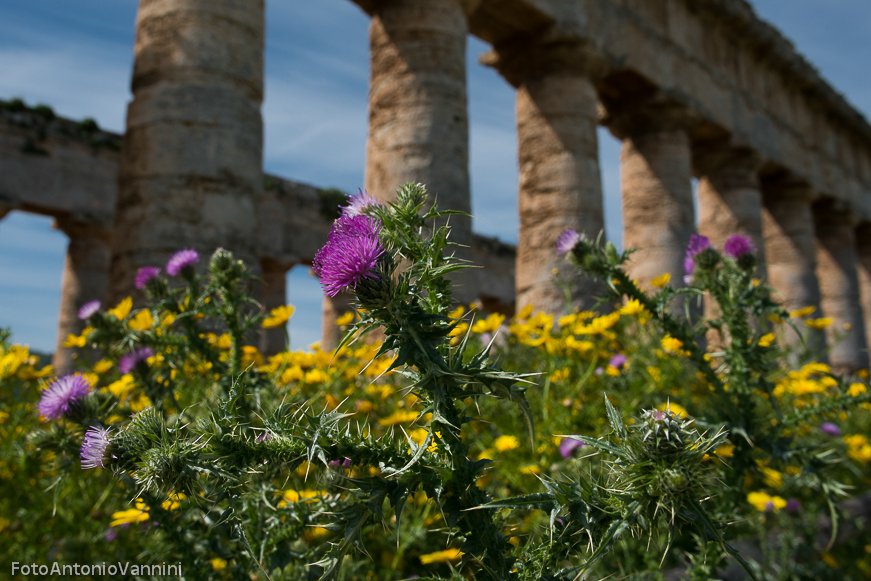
x,y
292,496
674,408
829,560
863,373
3,417
218,563
763,502
250,354
524,313
661,280
857,389
457,313
280,316
293,373
75,341
598,325
131,516
312,532
532,469
725,451
819,324
803,312
103,366
489,325
174,501
858,447
671,344
774,318
772,477
560,374
122,309
448,555
766,340
506,443
398,417
345,319
141,321
633,307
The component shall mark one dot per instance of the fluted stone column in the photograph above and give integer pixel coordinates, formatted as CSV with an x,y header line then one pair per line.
x,y
863,249
560,186
790,250
273,295
85,278
837,259
191,162
730,196
655,176
418,120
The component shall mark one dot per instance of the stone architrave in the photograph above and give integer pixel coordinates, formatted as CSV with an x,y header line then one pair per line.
x,y
191,162
85,278
837,259
655,178
273,295
790,251
558,157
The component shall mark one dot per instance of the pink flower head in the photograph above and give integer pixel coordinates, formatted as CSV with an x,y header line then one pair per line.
x,y
88,309
618,361
830,429
129,361
359,203
350,254
62,394
793,505
737,246
568,446
696,245
94,447
181,260
567,241
145,274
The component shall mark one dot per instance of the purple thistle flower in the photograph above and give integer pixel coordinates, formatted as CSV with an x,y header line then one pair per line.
x,y
350,254
793,505
696,245
830,429
618,361
88,309
568,446
111,534
181,260
94,447
339,464
567,241
62,393
359,203
769,506
737,246
264,436
129,361
144,274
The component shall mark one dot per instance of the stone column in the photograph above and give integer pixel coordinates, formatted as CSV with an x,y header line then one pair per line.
x,y
560,187
191,161
418,120
730,196
837,259
273,295
655,177
790,250
334,308
863,249
85,278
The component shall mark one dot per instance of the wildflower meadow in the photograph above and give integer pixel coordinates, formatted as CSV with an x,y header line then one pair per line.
x,y
638,440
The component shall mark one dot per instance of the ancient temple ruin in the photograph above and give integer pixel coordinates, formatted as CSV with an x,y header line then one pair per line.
x,y
693,88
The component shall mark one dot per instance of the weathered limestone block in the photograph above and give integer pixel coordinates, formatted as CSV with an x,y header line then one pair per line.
x,y
85,278
655,177
790,250
418,119
837,259
191,163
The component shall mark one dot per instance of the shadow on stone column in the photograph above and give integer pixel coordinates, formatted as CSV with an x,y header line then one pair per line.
x,y
837,258
863,248
85,278
790,250
334,308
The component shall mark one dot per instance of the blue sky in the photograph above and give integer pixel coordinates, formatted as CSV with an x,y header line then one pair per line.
x,y
76,56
